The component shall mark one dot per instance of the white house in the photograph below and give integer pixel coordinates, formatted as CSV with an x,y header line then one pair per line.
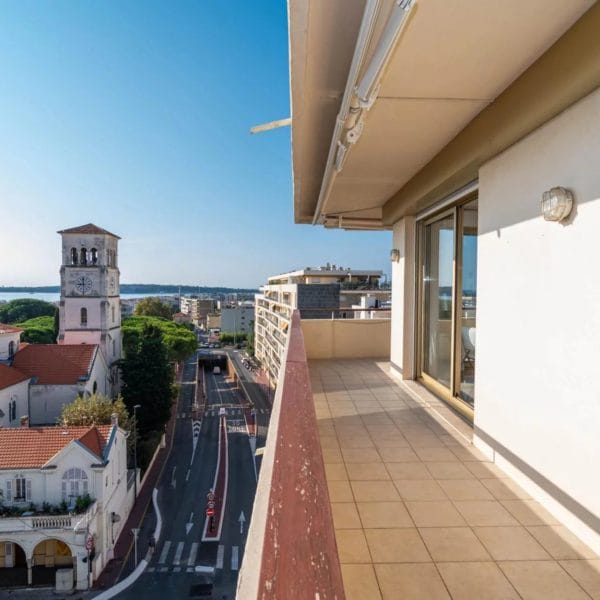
x,y
46,475
14,394
9,341
59,373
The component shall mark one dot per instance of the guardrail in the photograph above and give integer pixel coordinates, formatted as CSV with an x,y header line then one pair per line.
x,y
291,550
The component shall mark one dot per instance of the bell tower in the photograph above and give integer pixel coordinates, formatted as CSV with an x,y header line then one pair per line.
x,y
90,308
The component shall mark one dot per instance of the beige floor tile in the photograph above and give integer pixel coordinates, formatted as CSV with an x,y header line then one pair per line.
x,y
360,441
340,491
345,515
329,441
529,512
469,454
351,430
449,440
384,514
453,544
449,470
397,454
383,430
410,582
436,454
485,470
392,442
484,513
560,542
434,513
360,582
542,580
505,489
408,470
352,546
586,573
396,545
360,455
424,489
367,471
465,489
376,419
336,472
510,543
476,581
423,441
332,455
374,491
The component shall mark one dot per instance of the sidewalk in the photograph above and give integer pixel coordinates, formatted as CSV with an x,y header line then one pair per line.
x,y
119,567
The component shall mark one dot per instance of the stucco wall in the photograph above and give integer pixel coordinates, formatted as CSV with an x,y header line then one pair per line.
x,y
403,294
346,338
46,402
18,393
538,314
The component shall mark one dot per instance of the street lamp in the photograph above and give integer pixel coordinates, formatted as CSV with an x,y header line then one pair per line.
x,y
135,408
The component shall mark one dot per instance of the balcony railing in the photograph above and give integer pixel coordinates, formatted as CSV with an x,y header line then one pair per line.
x,y
42,522
291,549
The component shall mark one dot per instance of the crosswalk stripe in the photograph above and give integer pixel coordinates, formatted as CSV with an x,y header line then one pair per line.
x,y
178,553
193,552
150,569
234,558
163,555
176,569
220,554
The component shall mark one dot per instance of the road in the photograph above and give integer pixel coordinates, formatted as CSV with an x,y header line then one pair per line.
x,y
180,553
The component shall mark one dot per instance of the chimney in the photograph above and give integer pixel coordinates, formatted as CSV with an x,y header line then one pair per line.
x,y
25,421
114,420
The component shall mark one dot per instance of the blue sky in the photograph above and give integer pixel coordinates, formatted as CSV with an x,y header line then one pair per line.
x,y
136,116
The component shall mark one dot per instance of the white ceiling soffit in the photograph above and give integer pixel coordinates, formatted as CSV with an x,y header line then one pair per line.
x,y
453,58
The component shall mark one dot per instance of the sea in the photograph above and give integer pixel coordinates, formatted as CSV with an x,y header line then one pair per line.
x,y
55,296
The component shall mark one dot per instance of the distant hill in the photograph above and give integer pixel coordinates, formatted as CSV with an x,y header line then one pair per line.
x,y
139,288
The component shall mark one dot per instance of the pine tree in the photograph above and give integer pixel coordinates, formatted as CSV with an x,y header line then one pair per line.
x,y
148,381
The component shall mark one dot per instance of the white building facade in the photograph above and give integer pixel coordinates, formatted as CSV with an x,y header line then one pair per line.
x,y
476,145
238,318
65,496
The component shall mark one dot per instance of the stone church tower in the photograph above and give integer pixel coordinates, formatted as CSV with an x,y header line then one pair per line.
x,y
90,308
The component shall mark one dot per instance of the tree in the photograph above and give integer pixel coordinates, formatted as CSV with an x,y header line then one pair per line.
x,y
179,340
153,307
148,380
39,330
23,309
94,410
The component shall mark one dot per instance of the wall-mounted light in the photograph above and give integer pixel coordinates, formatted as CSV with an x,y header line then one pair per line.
x,y
395,255
557,204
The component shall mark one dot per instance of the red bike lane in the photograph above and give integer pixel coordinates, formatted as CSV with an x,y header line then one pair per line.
x,y
213,534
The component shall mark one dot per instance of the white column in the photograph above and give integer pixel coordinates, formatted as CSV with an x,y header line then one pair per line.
x,y
403,295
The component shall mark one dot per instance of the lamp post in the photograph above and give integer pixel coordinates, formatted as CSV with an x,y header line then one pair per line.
x,y
135,408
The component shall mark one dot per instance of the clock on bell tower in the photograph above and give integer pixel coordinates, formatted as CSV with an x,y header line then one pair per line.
x,y
90,307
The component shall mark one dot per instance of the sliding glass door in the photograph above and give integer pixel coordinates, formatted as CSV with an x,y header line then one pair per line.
x,y
448,304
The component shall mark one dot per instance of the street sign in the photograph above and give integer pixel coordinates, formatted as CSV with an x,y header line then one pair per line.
x,y
210,512
89,542
210,504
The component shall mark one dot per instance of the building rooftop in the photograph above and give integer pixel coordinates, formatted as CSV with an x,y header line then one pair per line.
x,y
10,376
329,271
56,364
9,329
88,228
33,447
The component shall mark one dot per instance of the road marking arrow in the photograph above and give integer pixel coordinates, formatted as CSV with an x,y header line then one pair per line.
x,y
242,520
189,524
173,482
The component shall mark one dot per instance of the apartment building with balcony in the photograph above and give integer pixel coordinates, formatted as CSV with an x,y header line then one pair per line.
x,y
460,464
64,497
315,292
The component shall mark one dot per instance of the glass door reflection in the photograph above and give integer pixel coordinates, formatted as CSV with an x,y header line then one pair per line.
x,y
438,294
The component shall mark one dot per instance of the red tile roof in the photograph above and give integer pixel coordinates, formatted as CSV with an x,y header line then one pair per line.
x,y
33,447
89,228
54,364
9,329
10,376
